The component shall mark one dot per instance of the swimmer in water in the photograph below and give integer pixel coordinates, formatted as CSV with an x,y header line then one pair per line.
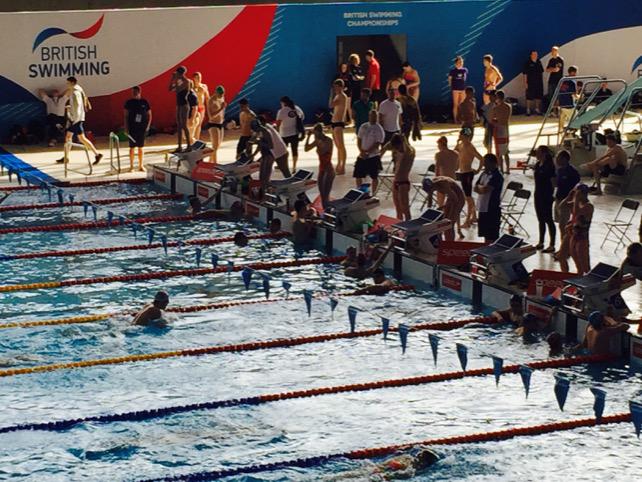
x,y
241,239
359,269
275,226
404,465
235,213
152,314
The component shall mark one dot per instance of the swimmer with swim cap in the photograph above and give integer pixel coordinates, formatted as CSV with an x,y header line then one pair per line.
x,y
235,213
152,314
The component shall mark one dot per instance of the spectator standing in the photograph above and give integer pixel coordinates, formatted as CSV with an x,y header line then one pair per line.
x,y
355,79
545,179
492,77
555,70
370,139
410,116
489,189
566,98
289,122
361,108
533,74
55,103
467,112
246,117
487,121
390,112
500,119
566,178
373,75
138,119
457,78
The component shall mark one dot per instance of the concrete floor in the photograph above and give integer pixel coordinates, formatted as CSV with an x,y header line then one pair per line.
x,y
523,131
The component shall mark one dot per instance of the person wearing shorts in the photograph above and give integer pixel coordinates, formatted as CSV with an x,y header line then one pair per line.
x,y
138,118
467,153
390,111
182,86
500,115
614,161
370,138
288,118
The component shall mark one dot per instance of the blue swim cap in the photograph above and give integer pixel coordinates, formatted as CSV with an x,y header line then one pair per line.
x,y
530,317
595,319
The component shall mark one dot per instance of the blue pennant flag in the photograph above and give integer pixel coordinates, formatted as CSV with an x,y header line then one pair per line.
x,y
246,274
636,415
385,327
600,401
307,296
110,217
163,240
230,267
94,209
352,317
121,220
48,187
286,286
403,336
150,235
462,354
72,198
43,186
214,259
498,366
199,253
135,229
562,386
525,373
333,304
266,286
60,194
434,346
85,208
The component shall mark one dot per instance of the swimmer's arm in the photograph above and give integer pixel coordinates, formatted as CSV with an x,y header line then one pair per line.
x,y
220,109
172,83
372,290
382,257
309,145
501,315
500,77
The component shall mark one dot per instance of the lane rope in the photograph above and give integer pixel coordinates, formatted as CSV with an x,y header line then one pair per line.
x,y
178,309
140,415
94,224
493,436
238,348
136,247
170,274
103,201
76,184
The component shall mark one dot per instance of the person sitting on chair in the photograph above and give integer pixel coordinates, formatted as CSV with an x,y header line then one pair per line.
x,y
632,264
614,161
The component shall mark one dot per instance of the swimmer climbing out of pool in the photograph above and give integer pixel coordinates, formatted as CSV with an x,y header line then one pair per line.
x,y
359,269
152,314
381,284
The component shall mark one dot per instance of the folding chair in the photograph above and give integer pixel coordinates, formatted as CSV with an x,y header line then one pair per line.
x,y
621,224
386,178
513,215
419,187
513,187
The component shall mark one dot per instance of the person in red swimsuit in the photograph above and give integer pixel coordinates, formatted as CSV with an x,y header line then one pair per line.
x,y
411,77
323,145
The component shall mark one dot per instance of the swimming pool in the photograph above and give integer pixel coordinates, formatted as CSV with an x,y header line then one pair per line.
x,y
229,437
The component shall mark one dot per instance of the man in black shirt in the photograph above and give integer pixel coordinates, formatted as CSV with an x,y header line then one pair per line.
x,y
566,179
138,118
602,94
534,83
555,68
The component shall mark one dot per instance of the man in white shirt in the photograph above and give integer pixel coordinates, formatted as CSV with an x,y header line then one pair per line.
x,y
390,116
55,103
289,120
370,138
78,105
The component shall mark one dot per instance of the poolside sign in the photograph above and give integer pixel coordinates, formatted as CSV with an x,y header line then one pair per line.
x,y
451,282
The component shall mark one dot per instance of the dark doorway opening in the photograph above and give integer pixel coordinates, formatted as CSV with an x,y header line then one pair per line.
x,y
390,50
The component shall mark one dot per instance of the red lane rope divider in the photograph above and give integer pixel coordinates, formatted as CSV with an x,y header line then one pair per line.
x,y
104,201
77,184
94,224
171,274
243,347
261,399
136,247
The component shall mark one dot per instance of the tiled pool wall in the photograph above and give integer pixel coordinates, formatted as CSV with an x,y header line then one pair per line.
x,y
404,267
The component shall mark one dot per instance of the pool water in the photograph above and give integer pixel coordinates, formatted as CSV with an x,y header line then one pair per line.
x,y
239,436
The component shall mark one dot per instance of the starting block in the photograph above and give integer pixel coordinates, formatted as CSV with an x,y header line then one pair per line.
x,y
190,158
289,188
350,213
599,290
501,261
423,234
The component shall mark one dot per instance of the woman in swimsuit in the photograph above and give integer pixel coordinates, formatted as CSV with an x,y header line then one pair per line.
x,y
467,154
203,95
412,80
216,114
575,242
326,174
403,156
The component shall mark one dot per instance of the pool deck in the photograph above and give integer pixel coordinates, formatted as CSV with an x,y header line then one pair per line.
x,y
523,131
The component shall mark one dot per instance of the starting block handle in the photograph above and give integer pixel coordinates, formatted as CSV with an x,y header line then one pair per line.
x,y
66,160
